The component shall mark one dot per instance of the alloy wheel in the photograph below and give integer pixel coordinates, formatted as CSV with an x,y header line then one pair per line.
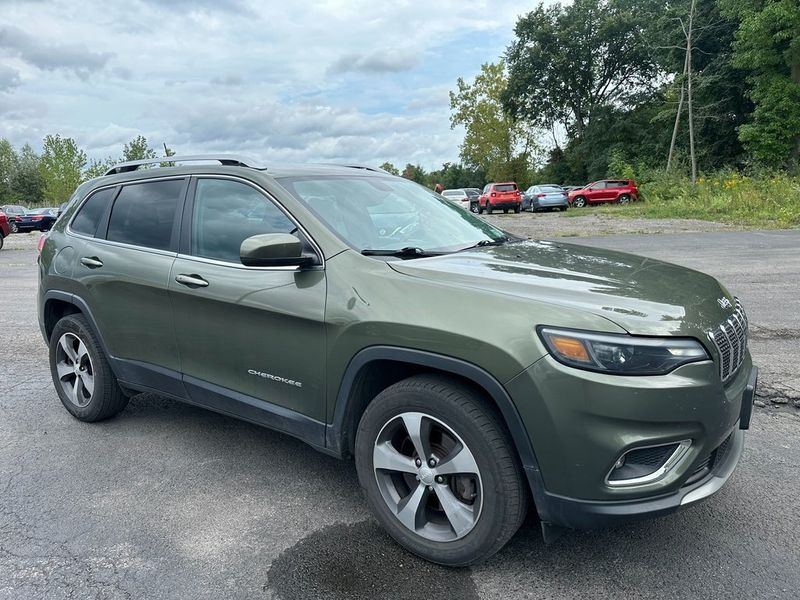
x,y
428,477
75,369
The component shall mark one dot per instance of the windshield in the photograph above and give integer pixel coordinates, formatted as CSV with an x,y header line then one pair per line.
x,y
389,213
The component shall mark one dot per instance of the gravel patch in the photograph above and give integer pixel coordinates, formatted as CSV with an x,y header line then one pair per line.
x,y
556,224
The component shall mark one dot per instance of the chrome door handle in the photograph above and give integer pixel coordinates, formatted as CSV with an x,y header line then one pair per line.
x,y
91,262
191,280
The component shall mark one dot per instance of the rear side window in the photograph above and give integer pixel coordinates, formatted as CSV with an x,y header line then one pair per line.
x,y
89,215
228,212
144,214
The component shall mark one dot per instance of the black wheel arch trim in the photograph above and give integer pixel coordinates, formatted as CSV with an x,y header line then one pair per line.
x,y
335,435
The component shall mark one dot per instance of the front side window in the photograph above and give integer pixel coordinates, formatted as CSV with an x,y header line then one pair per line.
x,y
228,212
144,214
89,215
389,213
598,186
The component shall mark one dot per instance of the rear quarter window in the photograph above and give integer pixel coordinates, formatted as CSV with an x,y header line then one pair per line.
x,y
92,211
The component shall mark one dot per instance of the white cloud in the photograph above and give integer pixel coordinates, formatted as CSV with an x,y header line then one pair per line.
x,y
351,80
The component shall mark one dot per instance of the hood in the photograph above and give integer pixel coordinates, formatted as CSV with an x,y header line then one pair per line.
x,y
642,295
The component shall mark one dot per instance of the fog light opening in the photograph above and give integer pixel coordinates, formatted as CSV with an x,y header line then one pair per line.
x,y
646,464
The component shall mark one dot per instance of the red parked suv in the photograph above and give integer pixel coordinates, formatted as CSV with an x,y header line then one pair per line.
x,y
500,195
607,190
5,230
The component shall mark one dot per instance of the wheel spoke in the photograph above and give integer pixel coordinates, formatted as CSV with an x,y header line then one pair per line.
x,y
82,351
386,457
419,430
460,515
66,345
408,510
64,370
88,382
460,460
77,396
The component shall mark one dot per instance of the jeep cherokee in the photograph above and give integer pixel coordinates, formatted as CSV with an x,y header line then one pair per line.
x,y
469,373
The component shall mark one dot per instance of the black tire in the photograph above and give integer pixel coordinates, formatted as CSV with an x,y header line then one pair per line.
x,y
579,202
624,199
563,208
1,240
503,496
473,207
517,209
107,398
13,227
480,209
488,208
505,211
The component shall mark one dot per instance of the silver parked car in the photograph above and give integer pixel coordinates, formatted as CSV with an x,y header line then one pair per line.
x,y
467,197
546,196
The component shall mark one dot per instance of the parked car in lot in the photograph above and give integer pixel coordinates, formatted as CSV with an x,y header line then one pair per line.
x,y
351,309
5,230
607,190
500,196
13,212
466,198
547,196
37,219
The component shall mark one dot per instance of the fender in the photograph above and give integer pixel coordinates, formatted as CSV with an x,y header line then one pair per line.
x,y
334,434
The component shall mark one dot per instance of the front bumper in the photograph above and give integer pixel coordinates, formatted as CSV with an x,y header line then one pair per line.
x,y
580,423
586,514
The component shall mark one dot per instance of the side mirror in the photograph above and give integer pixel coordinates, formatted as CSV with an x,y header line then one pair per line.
x,y
274,250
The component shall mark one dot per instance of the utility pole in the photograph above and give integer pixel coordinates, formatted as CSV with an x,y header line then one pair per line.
x,y
689,91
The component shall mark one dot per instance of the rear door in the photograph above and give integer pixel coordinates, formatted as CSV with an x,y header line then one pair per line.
x,y
123,269
256,331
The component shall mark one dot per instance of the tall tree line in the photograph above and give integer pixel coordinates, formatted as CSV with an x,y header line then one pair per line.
x,y
685,85
50,177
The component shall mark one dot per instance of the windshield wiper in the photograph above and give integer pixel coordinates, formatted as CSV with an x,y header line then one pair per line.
x,y
498,242
407,252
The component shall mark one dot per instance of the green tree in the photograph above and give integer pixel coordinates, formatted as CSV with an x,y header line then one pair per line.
x,y
390,168
8,166
567,61
138,149
61,165
768,47
415,173
98,168
494,140
27,183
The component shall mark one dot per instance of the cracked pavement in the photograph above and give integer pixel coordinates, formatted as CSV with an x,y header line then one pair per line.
x,y
170,501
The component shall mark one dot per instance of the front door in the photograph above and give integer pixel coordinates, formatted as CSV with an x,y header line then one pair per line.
x,y
252,333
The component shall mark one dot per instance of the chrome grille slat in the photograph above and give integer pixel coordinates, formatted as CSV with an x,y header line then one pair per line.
x,y
730,339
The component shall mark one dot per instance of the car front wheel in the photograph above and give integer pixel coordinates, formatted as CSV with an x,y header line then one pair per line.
x,y
13,227
438,470
579,202
81,373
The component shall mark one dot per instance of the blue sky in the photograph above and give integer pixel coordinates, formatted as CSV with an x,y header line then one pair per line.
x,y
322,81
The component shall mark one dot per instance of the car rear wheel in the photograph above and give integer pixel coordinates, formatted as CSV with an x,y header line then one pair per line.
x,y
1,240
438,470
473,207
81,373
579,202
488,208
624,199
517,208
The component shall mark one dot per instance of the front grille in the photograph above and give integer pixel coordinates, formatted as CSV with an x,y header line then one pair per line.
x,y
730,338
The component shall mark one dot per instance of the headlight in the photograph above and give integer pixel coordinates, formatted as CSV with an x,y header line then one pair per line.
x,y
620,354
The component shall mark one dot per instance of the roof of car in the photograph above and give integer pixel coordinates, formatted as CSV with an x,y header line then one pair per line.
x,y
229,160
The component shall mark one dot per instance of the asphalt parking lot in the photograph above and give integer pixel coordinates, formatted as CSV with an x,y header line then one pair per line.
x,y
170,501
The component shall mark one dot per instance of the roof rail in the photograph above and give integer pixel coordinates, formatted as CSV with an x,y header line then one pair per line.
x,y
365,167
223,159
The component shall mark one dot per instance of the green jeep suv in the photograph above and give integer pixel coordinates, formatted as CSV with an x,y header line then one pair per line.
x,y
470,374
